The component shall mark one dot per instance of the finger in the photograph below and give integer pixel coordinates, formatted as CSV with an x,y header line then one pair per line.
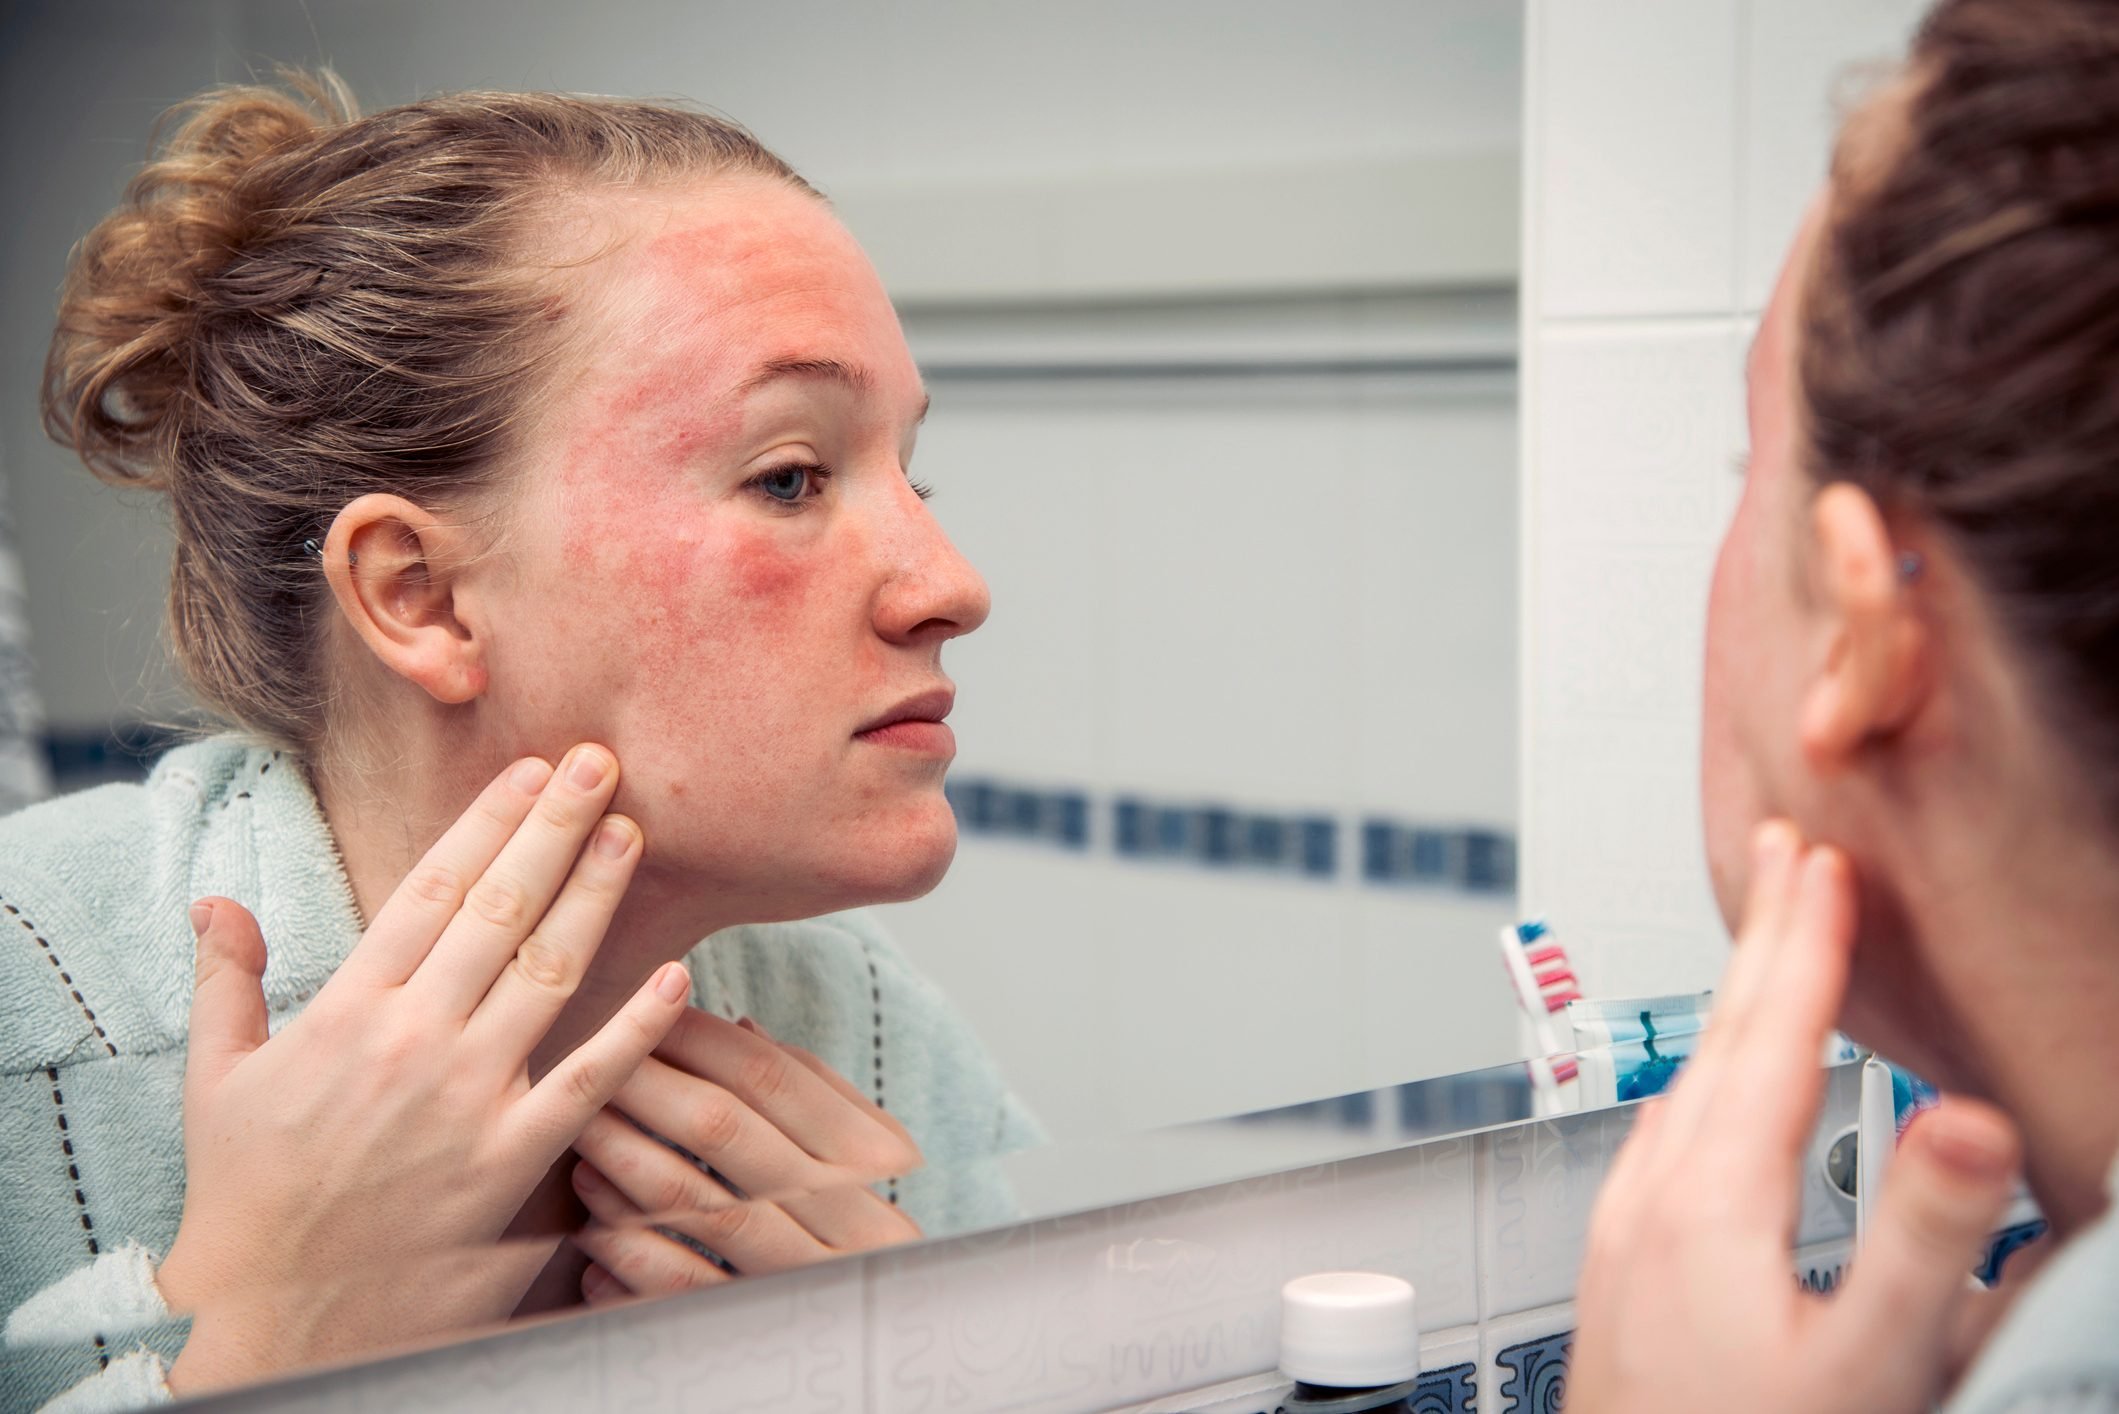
x,y
852,1093
419,908
755,1238
720,1130
1775,1082
559,1107
641,1260
228,1017
852,1218
1953,1175
1776,862
549,964
1774,872
835,1126
653,1177
506,901
600,1288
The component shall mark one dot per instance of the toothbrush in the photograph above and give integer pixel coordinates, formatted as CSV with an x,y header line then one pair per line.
x,y
1544,984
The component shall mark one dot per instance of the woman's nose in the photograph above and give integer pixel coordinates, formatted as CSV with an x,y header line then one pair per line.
x,y
932,592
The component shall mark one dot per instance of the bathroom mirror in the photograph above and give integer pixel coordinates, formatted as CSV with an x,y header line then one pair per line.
x,y
1216,304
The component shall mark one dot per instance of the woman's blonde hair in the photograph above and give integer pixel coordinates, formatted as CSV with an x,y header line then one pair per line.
x,y
294,306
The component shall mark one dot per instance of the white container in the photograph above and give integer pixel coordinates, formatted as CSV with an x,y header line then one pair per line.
x,y
1349,1330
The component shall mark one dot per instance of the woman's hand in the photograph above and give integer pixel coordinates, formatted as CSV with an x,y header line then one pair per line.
x,y
789,1132
346,1179
1686,1299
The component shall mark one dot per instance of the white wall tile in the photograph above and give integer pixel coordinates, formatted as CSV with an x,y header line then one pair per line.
x,y
979,1323
792,1342
1232,553
1632,133
1537,1184
1409,1214
1632,438
1434,608
1426,994
1805,61
789,1342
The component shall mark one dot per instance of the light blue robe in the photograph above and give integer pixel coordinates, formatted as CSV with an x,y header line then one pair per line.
x,y
96,960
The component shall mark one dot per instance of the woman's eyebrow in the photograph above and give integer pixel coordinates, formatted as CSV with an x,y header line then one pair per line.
x,y
830,369
859,379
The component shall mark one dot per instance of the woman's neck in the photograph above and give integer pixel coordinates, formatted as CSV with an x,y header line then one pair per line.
x,y
384,821
2010,922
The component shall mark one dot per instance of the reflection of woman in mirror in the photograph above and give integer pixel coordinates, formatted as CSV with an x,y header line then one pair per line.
x,y
497,430
1913,673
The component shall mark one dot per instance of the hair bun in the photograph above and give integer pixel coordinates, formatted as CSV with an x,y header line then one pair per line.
x,y
140,287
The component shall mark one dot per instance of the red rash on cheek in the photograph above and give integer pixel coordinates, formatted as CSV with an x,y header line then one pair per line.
x,y
762,570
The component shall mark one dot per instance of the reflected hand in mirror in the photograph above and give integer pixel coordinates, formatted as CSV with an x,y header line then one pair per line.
x,y
396,1113
749,1118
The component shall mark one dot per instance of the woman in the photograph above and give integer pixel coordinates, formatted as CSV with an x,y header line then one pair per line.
x,y
1913,661
498,430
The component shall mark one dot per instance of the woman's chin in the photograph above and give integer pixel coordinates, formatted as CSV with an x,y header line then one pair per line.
x,y
892,864
912,865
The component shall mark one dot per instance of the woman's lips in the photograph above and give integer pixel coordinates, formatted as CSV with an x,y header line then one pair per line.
x,y
915,734
916,724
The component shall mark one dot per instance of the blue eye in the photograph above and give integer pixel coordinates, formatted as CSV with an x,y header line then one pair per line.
x,y
790,485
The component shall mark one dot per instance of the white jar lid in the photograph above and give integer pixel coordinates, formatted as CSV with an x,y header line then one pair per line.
x,y
1349,1330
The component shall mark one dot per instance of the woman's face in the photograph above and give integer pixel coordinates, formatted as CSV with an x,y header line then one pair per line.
x,y
1750,768
723,569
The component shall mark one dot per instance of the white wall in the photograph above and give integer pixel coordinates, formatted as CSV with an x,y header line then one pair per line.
x,y
1669,148
1287,593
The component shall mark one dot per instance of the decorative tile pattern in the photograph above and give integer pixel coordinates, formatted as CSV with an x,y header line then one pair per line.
x,y
1537,1374
1537,1186
1453,1389
1823,1268
1524,1359
2006,1243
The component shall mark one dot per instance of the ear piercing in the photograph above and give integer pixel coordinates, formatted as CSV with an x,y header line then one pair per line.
x,y
315,551
1910,564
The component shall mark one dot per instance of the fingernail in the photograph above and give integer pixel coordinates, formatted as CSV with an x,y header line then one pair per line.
x,y
614,837
1973,1151
596,1282
588,769
586,1178
671,982
1771,843
748,1025
201,918
530,775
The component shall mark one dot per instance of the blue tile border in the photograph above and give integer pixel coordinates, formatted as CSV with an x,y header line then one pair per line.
x,y
989,807
1536,1380
1453,1389
1221,836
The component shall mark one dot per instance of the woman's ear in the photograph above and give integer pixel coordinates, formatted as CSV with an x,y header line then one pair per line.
x,y
1871,673
395,571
